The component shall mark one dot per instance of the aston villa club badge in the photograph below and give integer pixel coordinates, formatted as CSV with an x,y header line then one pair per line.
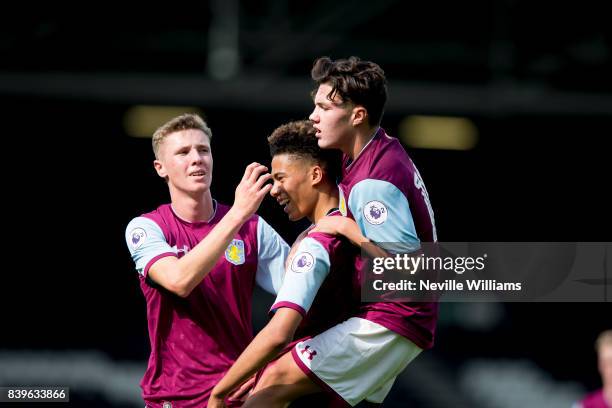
x,y
235,252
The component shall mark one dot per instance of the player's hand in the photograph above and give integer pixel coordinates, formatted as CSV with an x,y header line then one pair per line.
x,y
330,225
251,190
242,393
341,226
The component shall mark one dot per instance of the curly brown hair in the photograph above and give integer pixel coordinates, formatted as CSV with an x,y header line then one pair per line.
x,y
298,138
353,80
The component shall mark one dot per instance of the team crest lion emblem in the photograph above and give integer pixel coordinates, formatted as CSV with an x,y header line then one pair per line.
x,y
235,252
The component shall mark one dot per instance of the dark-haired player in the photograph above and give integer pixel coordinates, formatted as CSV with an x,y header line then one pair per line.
x,y
317,291
384,200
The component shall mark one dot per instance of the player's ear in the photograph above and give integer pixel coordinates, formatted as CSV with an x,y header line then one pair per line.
x,y
316,174
360,114
160,168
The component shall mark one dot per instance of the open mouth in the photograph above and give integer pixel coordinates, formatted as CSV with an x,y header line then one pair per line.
x,y
197,174
284,203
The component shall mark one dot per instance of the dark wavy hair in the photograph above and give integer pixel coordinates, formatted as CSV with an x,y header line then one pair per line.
x,y
360,82
298,138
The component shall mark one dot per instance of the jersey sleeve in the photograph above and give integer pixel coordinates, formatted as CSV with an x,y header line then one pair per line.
x,y
305,275
383,213
271,256
147,243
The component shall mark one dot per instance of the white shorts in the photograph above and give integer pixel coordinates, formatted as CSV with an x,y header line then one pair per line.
x,y
355,360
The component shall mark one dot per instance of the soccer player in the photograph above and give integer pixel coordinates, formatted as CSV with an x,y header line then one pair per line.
x,y
383,192
602,398
198,261
317,291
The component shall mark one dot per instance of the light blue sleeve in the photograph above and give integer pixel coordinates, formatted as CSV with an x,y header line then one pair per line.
x,y
271,256
309,268
383,214
145,240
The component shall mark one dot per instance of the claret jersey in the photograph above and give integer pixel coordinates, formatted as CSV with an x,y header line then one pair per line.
x,y
384,193
195,340
319,282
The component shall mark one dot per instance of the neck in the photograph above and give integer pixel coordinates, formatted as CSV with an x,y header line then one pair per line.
x,y
607,392
193,208
327,200
362,137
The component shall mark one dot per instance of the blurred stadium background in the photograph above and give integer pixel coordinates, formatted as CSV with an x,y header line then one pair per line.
x,y
505,106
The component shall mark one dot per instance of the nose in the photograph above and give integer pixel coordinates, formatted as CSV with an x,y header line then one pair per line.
x,y
275,191
314,116
195,156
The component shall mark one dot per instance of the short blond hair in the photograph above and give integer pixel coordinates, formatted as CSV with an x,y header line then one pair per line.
x,y
183,122
604,339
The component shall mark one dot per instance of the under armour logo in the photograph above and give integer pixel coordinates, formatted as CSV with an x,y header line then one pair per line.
x,y
311,353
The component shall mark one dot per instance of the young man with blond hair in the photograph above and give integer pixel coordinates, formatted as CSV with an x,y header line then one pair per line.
x,y
198,261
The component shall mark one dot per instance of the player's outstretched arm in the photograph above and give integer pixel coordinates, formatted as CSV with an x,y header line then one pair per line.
x,y
270,341
181,276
